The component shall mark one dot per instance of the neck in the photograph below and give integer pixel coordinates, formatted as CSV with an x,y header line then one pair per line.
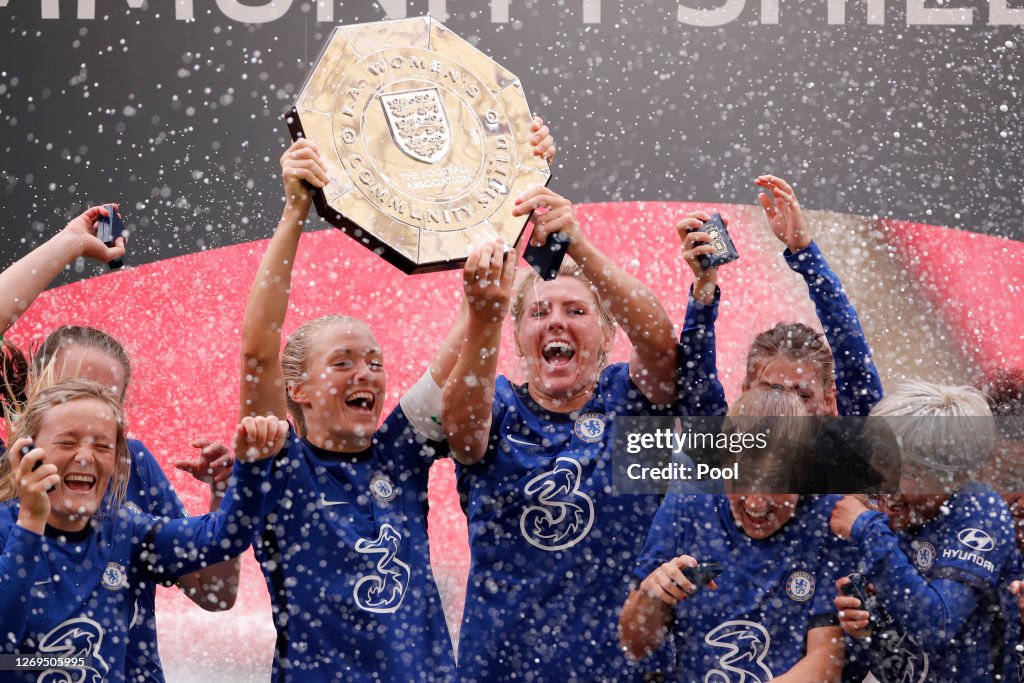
x,y
575,399
67,522
331,440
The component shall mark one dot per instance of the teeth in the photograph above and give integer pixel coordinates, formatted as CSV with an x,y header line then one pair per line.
x,y
85,478
361,397
561,349
757,515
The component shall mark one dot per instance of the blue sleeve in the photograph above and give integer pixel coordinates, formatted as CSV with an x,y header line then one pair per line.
x,y
161,497
664,536
22,553
700,391
932,612
858,387
180,546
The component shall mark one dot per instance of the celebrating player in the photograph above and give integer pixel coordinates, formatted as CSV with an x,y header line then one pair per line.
x,y
70,565
551,545
770,617
939,555
834,378
76,351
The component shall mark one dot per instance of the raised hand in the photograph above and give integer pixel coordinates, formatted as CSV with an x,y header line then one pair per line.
x,y
784,214
33,484
552,213
845,513
697,243
542,141
81,233
212,465
487,281
259,438
301,164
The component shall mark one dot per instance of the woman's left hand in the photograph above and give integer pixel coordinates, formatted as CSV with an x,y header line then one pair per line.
x,y
553,213
541,140
844,514
212,466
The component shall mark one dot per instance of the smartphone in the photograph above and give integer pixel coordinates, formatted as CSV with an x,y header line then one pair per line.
x,y
858,588
108,230
703,574
725,250
25,450
547,258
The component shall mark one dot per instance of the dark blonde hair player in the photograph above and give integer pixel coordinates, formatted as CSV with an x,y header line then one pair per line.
x,y
552,545
69,569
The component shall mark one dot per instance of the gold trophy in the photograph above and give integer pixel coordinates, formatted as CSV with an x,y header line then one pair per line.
x,y
426,141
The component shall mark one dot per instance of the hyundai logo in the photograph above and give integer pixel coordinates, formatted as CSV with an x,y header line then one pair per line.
x,y
976,540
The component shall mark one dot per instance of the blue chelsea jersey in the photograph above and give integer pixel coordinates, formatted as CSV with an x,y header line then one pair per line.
x,y
552,546
73,594
149,492
771,592
343,548
946,587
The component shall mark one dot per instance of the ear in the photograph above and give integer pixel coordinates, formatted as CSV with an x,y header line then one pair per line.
x,y
297,393
831,402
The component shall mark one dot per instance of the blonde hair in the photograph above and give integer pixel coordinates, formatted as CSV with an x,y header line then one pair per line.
x,y
29,422
941,427
758,409
295,360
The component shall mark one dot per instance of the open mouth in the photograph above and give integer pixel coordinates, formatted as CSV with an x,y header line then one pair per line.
x,y
558,352
362,401
759,520
79,483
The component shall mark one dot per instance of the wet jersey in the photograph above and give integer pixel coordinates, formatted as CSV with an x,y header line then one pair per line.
x,y
946,587
343,548
552,546
771,592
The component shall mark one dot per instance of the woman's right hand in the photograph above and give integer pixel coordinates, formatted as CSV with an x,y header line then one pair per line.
x,y
301,164
259,438
668,584
33,485
81,232
852,618
696,244
487,281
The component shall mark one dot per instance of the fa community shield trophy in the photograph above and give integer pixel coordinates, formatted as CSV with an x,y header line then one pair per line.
x,y
425,138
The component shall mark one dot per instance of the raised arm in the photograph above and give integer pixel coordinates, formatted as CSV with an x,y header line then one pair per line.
x,y
469,392
858,386
700,390
25,280
263,390
633,305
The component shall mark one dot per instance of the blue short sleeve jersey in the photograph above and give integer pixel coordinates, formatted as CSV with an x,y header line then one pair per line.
x,y
149,492
771,592
72,594
552,546
946,587
343,548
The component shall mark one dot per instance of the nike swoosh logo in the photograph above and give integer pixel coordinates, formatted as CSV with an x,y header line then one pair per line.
x,y
43,583
521,442
328,503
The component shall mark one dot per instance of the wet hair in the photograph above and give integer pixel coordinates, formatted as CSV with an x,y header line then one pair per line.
x,y
18,371
529,280
30,421
295,360
944,428
795,341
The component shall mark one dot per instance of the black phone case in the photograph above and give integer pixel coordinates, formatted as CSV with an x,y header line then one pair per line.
x,y
108,230
725,250
702,574
858,588
547,258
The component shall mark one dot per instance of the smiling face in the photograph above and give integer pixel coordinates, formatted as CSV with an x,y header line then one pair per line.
x,y
757,497
343,395
799,377
80,437
561,337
